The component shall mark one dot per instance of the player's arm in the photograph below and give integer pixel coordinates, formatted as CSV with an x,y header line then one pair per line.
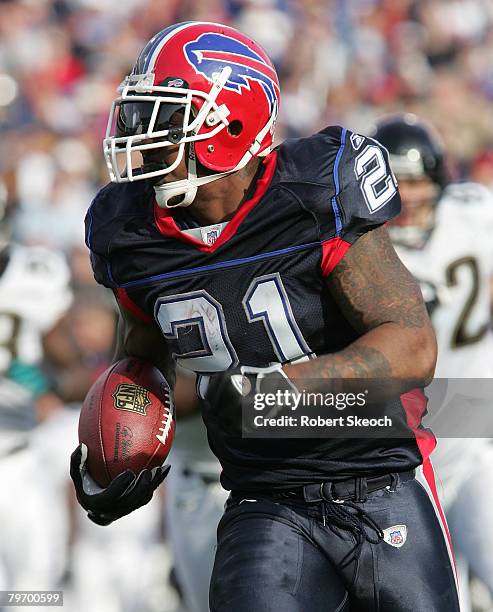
x,y
138,338
128,491
383,302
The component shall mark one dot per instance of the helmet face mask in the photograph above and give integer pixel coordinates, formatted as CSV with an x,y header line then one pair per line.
x,y
140,123
134,118
417,160
222,85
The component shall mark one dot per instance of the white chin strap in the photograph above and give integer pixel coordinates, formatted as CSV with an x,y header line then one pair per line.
x,y
187,187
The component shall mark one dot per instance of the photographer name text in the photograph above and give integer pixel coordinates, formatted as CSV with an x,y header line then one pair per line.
x,y
306,421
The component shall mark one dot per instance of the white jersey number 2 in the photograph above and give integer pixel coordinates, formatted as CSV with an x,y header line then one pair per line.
x,y
377,183
462,335
198,312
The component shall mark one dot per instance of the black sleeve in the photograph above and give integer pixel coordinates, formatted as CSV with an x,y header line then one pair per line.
x,y
102,271
366,189
110,235
98,250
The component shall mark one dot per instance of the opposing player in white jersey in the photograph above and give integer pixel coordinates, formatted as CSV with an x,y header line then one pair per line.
x,y
34,294
443,236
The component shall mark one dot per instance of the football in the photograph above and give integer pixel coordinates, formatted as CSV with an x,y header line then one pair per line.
x,y
127,420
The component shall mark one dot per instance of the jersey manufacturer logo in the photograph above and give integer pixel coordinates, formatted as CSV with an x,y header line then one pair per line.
x,y
211,52
356,140
242,384
133,398
396,535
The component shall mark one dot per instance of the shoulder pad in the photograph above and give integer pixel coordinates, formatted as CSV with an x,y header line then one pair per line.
x,y
343,178
114,204
309,160
110,210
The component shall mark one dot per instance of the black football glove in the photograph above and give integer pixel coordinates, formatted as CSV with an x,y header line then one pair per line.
x,y
230,396
123,495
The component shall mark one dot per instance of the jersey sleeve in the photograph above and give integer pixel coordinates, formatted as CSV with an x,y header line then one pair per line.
x,y
98,250
101,227
366,194
366,189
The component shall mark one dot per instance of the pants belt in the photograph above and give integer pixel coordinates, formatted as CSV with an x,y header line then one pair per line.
x,y
353,488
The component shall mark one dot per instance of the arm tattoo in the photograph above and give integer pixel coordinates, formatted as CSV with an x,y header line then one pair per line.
x,y
355,362
372,286
383,303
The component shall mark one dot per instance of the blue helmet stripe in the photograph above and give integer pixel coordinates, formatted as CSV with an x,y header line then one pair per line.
x,y
144,59
159,38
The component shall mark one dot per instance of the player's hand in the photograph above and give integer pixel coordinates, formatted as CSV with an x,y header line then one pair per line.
x,y
123,495
232,394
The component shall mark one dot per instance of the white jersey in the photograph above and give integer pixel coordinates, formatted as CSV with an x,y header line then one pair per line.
x,y
34,294
457,262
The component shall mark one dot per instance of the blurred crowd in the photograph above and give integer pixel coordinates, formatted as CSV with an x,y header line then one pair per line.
x,y
340,62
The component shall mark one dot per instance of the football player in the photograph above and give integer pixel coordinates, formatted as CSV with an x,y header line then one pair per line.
x,y
34,294
248,264
443,236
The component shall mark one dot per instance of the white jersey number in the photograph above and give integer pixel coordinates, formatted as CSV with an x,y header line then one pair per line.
x,y
266,300
460,335
377,184
198,311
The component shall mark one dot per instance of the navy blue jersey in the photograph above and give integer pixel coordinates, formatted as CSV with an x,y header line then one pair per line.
x,y
258,294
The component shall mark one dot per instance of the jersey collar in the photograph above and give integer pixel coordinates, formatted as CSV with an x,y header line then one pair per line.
x,y
165,223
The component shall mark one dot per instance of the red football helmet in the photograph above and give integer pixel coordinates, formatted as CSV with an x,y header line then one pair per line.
x,y
222,92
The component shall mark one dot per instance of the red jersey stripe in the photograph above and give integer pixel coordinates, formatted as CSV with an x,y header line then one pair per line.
x,y
128,304
333,251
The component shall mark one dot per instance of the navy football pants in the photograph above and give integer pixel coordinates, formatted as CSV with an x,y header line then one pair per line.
x,y
278,556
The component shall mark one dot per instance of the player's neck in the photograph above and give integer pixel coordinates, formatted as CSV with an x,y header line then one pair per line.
x,y
218,201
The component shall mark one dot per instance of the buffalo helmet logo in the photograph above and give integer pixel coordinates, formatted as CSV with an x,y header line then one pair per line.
x,y
210,52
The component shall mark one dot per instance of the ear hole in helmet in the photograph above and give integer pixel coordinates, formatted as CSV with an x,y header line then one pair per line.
x,y
235,128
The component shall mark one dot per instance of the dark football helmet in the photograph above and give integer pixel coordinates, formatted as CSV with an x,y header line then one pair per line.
x,y
417,159
415,148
